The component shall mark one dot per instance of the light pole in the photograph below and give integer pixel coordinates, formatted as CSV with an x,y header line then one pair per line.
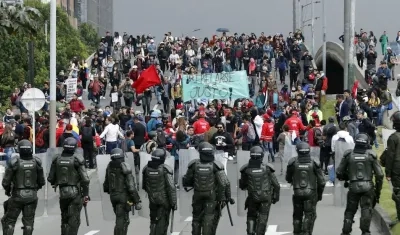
x,y
323,37
296,22
53,74
349,23
312,21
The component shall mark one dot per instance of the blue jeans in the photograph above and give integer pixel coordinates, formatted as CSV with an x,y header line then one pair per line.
x,y
110,146
8,151
269,147
380,114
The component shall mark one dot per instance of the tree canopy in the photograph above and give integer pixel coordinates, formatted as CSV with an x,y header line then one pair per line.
x,y
27,24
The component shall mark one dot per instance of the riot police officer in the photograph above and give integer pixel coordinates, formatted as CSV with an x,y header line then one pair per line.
x,y
23,178
358,167
205,176
68,172
263,189
158,182
392,163
119,183
307,178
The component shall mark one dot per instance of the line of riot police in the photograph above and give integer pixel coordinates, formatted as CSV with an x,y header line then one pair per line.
x,y
205,183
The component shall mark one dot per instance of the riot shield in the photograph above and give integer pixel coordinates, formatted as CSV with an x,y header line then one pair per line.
x,y
315,152
129,158
243,158
185,198
289,151
52,197
102,163
339,191
385,135
144,159
222,157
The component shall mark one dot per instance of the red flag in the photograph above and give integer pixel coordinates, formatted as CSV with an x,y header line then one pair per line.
x,y
147,78
354,89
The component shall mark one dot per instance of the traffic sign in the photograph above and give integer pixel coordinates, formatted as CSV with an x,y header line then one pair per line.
x,y
33,99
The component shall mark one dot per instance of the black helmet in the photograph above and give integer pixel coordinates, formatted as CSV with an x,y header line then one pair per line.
x,y
70,144
396,120
158,155
25,147
256,153
206,151
116,153
152,134
362,141
303,149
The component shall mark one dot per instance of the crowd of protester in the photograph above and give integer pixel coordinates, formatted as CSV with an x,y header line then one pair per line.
x,y
271,117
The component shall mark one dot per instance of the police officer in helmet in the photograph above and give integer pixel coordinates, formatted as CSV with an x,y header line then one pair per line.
x,y
158,182
119,183
358,166
392,162
23,178
307,178
68,172
263,189
206,176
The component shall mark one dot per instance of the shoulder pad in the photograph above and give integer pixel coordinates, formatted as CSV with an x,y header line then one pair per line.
x,y
144,169
316,163
13,161
169,169
244,168
80,159
271,167
347,153
192,162
126,168
372,154
292,160
219,165
38,161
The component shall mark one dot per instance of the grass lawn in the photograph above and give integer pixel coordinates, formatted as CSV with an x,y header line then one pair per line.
x,y
386,202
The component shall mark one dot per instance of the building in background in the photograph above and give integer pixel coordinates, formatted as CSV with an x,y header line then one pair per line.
x,y
98,13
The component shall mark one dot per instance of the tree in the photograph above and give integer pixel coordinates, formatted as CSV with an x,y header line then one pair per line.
x,y
89,36
28,25
18,19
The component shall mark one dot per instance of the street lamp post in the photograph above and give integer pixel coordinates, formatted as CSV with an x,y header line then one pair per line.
x,y
323,37
53,74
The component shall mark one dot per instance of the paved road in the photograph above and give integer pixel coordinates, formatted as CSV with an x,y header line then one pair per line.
x,y
280,215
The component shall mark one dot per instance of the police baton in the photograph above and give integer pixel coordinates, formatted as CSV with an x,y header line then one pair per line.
x,y
229,213
172,221
86,214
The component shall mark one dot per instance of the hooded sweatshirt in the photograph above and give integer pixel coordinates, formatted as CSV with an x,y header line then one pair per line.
x,y
341,134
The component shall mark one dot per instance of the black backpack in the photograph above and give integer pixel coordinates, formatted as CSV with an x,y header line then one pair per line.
x,y
87,134
161,139
318,137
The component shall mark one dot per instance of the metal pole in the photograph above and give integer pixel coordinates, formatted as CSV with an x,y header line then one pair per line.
x,y
347,9
294,16
298,15
312,27
352,33
53,74
45,30
324,37
301,20
31,63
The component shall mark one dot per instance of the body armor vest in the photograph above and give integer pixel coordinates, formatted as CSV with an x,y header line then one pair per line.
x,y
26,176
155,185
359,167
204,176
116,180
259,185
66,174
304,177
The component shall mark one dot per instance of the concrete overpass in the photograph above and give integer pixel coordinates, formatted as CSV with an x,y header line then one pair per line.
x,y
335,70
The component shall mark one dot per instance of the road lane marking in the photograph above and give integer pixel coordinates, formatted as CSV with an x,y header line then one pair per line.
x,y
175,233
271,230
189,219
92,232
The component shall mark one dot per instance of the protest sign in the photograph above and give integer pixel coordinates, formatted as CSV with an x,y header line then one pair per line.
x,y
71,84
231,85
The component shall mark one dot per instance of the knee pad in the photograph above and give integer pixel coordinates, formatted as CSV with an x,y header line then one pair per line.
x,y
8,229
250,226
297,226
347,226
28,230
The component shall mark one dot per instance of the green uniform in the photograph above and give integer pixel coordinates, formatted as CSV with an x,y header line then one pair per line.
x,y
384,42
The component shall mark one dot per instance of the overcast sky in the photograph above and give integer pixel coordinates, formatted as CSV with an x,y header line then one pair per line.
x,y
183,16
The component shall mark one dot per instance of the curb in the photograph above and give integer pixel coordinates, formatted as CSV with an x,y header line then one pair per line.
x,y
382,220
